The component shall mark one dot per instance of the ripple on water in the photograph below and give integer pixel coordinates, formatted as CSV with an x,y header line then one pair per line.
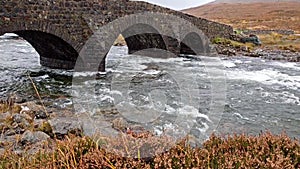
x,y
261,94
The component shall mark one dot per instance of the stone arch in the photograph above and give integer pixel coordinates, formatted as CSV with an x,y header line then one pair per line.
x,y
171,28
138,38
55,46
193,44
142,36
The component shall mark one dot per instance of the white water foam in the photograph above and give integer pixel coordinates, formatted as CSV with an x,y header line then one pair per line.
x,y
266,76
291,65
228,64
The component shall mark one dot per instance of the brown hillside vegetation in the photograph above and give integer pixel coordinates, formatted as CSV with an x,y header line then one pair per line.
x,y
256,15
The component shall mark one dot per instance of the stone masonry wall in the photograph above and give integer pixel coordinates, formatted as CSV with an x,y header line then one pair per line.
x,y
73,20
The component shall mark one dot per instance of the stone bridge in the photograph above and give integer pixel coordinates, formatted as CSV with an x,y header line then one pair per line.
x,y
60,30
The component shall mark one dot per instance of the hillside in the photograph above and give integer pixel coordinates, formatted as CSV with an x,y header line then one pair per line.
x,y
255,14
253,1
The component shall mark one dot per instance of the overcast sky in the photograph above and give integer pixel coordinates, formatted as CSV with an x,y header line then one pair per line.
x,y
179,4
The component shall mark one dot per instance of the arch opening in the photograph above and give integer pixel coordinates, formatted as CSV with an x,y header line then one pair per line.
x,y
54,52
137,38
20,62
194,41
142,36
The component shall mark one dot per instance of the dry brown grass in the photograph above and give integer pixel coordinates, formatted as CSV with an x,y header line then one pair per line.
x,y
283,42
120,41
238,151
278,15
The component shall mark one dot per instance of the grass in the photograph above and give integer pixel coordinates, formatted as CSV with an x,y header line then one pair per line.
x,y
234,44
238,151
120,41
272,15
284,42
38,94
258,16
273,41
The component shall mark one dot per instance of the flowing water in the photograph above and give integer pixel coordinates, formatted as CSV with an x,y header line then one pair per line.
x,y
259,94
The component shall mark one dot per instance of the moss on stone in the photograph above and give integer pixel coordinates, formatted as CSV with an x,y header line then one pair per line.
x,y
46,128
232,43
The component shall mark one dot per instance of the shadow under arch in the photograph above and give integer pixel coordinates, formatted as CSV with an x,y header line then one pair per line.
x,y
193,44
54,52
138,38
168,29
55,46
142,36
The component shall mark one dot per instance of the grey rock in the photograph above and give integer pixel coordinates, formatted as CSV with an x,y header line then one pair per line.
x,y
40,115
30,137
4,116
96,126
252,39
19,99
21,118
120,124
14,131
62,126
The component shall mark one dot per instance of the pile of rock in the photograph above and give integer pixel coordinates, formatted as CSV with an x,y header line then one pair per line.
x,y
28,126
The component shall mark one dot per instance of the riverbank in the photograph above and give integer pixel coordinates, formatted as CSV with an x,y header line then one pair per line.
x,y
274,47
32,138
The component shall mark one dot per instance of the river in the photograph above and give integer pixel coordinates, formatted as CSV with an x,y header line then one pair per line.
x,y
259,95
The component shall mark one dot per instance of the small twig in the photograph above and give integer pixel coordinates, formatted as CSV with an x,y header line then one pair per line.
x,y
37,93
124,142
110,163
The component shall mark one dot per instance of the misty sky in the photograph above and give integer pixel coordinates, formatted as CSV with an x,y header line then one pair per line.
x,y
179,4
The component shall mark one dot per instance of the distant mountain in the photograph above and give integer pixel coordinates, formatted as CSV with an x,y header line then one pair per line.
x,y
255,14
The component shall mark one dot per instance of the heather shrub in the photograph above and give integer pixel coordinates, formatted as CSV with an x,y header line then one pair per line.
x,y
237,151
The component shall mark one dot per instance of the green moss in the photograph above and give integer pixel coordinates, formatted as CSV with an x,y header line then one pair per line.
x,y
232,43
46,128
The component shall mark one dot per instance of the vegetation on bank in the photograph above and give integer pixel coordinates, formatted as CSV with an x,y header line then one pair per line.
x,y
270,42
232,43
252,15
238,151
283,42
273,41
